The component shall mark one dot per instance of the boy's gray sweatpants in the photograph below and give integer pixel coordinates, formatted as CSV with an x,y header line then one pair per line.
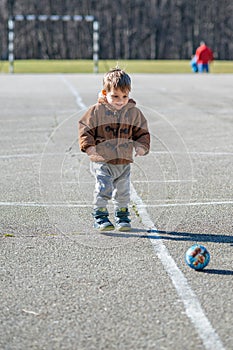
x,y
112,182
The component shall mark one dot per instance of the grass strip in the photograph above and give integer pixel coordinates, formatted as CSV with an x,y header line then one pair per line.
x,y
131,66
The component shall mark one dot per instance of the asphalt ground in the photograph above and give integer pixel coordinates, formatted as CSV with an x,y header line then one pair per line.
x,y
65,286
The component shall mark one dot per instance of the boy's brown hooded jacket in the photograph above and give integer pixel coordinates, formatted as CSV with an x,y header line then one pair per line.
x,y
114,133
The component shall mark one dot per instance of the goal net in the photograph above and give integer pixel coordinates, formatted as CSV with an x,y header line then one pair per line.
x,y
47,46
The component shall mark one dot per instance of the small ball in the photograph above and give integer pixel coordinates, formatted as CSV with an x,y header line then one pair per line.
x,y
197,257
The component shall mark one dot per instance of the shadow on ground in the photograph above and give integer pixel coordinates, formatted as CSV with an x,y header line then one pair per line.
x,y
179,236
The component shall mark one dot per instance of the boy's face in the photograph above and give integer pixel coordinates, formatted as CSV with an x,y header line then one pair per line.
x,y
117,98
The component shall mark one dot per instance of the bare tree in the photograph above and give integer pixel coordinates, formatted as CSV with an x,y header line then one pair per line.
x,y
136,29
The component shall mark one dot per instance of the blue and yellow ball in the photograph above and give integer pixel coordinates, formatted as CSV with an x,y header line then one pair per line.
x,y
197,257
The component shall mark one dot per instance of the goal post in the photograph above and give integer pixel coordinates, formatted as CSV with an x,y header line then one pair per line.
x,y
53,18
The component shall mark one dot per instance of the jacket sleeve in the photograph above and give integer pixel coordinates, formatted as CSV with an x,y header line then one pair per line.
x,y
211,55
141,135
86,130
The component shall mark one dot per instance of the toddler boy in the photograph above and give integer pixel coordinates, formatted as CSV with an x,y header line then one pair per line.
x,y
108,133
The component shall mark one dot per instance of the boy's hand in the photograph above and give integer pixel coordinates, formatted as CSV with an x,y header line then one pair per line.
x,y
140,151
91,151
93,155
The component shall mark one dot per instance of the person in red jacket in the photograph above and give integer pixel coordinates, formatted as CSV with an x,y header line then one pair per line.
x,y
204,56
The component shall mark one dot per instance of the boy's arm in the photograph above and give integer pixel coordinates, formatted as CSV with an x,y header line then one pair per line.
x,y
140,151
93,155
141,136
86,130
86,137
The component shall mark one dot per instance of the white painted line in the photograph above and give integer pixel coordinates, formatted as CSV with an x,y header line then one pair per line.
x,y
189,204
77,182
195,153
22,155
163,181
46,205
136,181
31,155
74,92
80,204
192,306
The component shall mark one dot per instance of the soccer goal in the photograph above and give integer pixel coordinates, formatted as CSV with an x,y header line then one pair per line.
x,y
53,18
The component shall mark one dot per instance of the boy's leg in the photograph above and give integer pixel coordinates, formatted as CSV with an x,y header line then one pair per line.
x,y
122,220
102,193
121,184
121,198
103,186
101,220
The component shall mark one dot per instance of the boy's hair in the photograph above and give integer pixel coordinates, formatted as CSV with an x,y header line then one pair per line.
x,y
117,78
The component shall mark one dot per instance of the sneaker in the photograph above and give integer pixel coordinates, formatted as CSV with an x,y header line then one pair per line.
x,y
101,221
122,219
